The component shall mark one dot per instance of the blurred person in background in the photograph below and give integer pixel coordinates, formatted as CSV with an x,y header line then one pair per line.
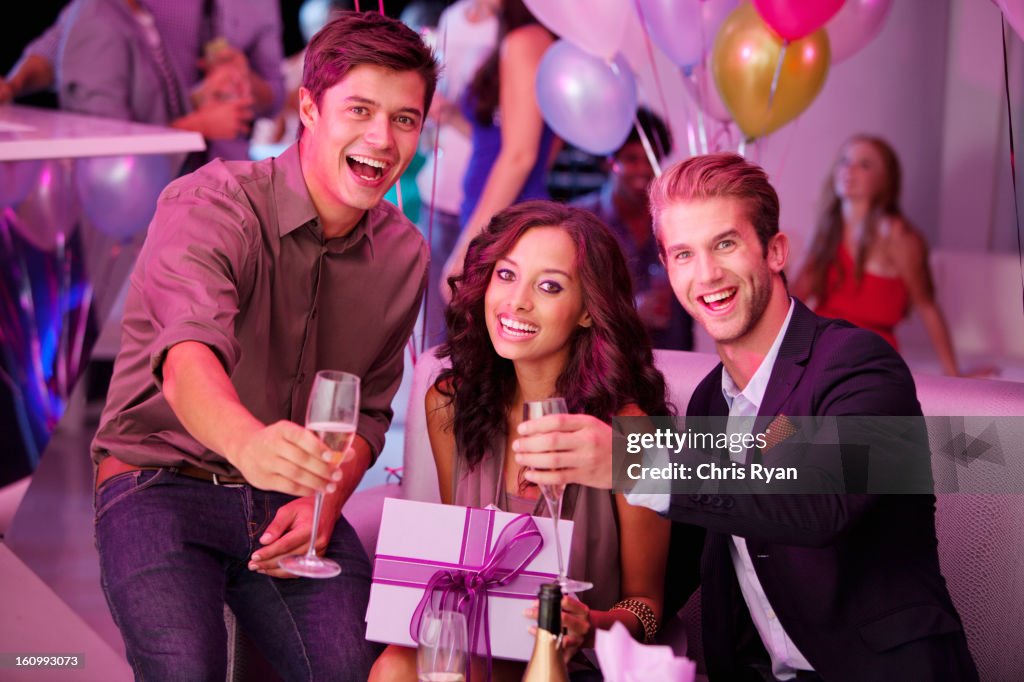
x,y
218,51
512,146
867,263
466,34
622,205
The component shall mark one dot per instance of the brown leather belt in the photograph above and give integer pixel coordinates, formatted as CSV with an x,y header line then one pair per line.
x,y
112,466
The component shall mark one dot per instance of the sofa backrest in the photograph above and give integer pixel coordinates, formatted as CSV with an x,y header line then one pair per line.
x,y
981,537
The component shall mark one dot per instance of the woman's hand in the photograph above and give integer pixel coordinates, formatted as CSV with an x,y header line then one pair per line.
x,y
575,624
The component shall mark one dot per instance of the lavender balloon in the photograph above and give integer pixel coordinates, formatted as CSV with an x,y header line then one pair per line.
x,y
587,101
685,30
118,193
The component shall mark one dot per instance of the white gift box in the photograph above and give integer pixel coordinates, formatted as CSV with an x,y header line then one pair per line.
x,y
440,545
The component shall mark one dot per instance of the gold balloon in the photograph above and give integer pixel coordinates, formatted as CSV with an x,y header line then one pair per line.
x,y
745,57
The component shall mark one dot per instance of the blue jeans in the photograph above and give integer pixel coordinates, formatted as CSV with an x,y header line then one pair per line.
x,y
173,550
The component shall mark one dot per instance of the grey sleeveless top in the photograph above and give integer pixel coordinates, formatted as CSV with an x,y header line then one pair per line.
x,y
595,541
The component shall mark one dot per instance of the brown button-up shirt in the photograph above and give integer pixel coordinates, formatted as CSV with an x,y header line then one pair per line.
x,y
235,259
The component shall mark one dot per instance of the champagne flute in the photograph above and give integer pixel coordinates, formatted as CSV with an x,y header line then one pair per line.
x,y
441,652
331,413
532,409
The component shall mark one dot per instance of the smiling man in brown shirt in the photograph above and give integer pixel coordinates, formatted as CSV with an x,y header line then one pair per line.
x,y
253,277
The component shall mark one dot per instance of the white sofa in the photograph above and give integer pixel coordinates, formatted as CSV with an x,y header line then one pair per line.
x,y
981,537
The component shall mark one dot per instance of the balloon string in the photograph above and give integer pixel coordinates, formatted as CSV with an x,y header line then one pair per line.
x,y
651,156
777,74
705,64
1013,154
691,136
700,117
657,76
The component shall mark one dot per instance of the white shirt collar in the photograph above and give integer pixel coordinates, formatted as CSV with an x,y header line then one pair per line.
x,y
758,384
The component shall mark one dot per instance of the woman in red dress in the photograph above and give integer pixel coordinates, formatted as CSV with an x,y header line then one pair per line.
x,y
867,263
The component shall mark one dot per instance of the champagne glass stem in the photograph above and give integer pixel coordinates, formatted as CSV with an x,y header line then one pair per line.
x,y
554,501
317,506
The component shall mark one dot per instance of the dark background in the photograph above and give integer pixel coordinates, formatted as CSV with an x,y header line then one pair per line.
x,y
35,17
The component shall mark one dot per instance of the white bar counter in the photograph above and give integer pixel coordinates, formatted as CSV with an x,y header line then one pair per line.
x,y
34,133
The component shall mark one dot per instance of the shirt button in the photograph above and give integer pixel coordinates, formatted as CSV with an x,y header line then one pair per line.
x,y
770,614
301,377
312,314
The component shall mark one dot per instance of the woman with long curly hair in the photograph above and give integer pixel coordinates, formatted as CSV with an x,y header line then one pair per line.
x,y
543,308
867,263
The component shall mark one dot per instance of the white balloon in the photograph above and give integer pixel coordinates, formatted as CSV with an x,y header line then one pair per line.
x,y
596,26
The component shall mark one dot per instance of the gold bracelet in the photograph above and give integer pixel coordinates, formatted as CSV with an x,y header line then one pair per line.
x,y
643,613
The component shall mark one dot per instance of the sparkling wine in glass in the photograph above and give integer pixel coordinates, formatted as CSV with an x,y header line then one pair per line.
x,y
441,651
332,414
532,409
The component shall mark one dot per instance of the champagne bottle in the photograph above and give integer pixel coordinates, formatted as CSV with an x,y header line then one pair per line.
x,y
546,664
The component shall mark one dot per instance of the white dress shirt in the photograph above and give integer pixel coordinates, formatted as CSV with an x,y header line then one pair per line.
x,y
743,409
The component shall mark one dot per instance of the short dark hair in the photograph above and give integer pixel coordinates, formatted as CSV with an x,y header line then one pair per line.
x,y
714,176
656,131
353,39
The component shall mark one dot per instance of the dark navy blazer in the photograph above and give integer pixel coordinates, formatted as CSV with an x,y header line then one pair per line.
x,y
853,578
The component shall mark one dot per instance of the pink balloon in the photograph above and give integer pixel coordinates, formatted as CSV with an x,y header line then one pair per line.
x,y
17,178
794,19
856,25
597,28
1014,11
51,208
706,93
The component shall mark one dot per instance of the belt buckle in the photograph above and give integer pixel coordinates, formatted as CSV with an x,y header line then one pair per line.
x,y
224,484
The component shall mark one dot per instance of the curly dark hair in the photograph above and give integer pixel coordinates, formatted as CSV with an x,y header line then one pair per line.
x,y
610,365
